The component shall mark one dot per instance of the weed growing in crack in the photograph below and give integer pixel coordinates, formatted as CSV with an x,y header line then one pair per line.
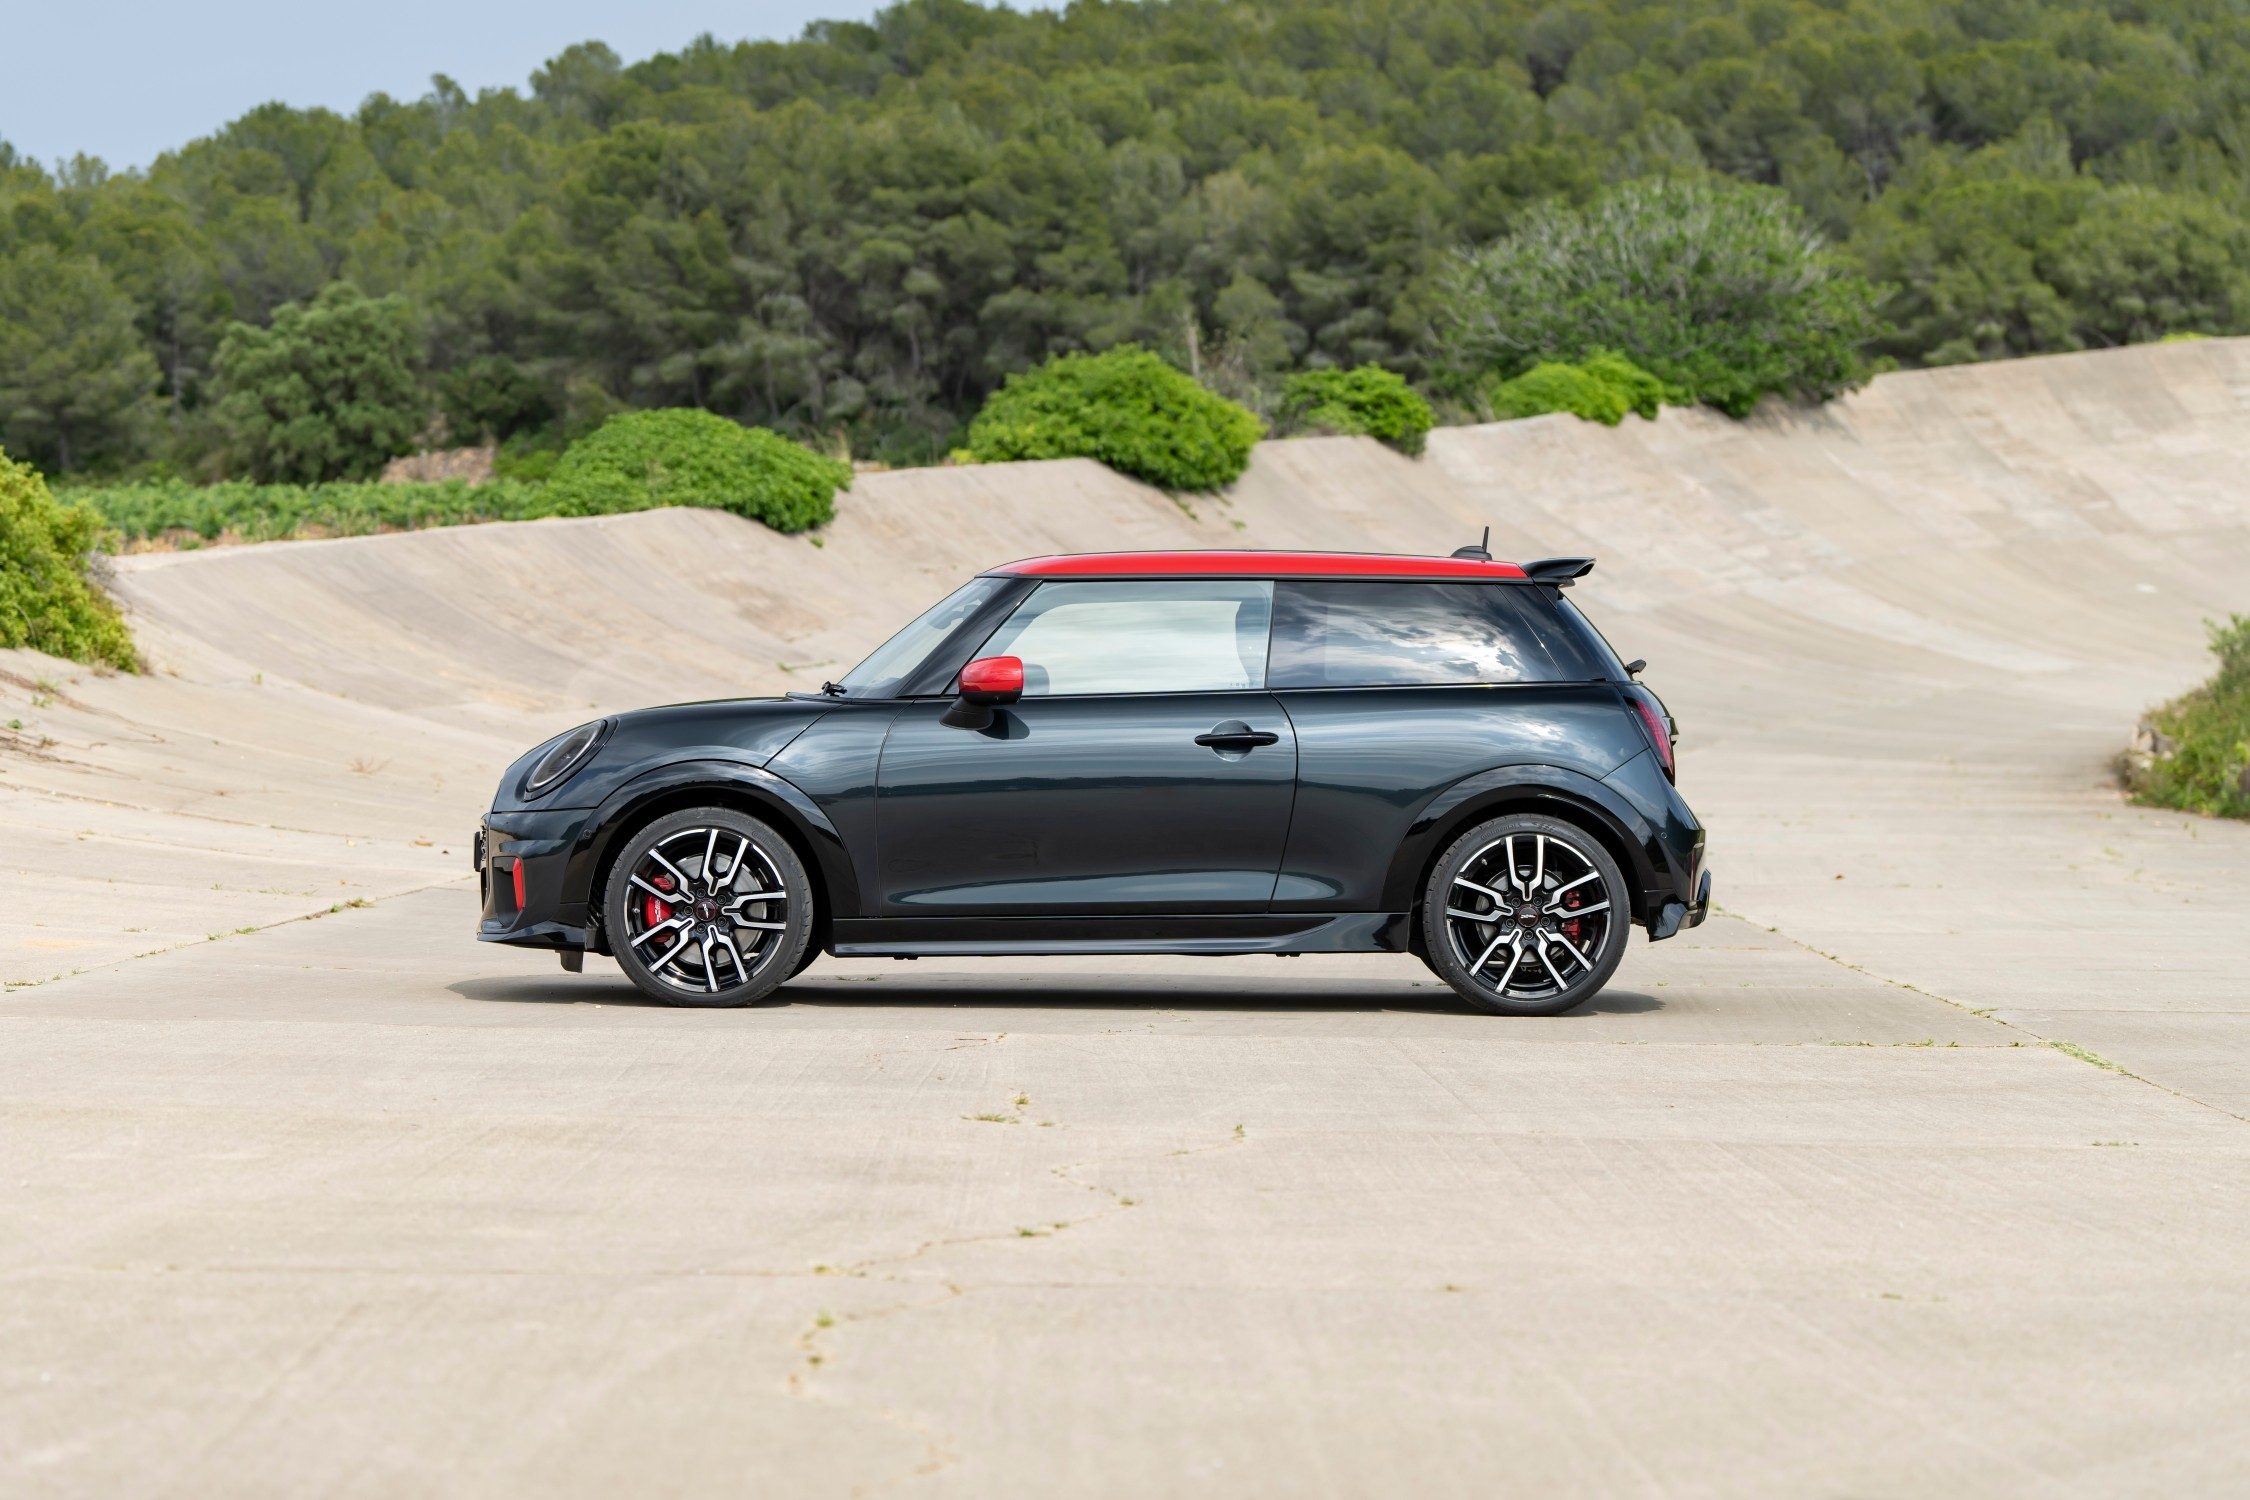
x,y
2072,1049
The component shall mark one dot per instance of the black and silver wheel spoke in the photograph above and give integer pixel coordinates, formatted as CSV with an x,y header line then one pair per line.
x,y
672,924
684,906
664,960
1516,901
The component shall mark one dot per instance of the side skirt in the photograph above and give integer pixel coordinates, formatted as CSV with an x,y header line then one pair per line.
x,y
998,937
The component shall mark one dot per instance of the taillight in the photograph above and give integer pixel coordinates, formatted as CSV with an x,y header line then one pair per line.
x,y
518,873
1652,719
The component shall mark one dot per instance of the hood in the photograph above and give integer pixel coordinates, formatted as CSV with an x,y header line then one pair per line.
x,y
746,731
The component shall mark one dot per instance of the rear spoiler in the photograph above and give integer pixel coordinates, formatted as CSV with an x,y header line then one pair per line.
x,y
1559,571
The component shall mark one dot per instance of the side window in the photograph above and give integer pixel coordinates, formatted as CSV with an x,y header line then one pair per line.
x,y
1409,634
1176,636
1597,645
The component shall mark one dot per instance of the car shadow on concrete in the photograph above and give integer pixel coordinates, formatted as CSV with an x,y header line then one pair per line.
x,y
1063,992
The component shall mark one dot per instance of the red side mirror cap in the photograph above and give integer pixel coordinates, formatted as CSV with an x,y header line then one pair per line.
x,y
993,679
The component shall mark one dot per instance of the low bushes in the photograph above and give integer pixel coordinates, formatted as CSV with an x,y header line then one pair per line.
x,y
173,509
47,603
1602,389
644,459
638,461
1125,407
1369,400
2194,752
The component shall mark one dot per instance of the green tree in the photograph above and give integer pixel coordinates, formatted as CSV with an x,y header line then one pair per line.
x,y
1716,288
77,388
867,230
326,392
491,399
47,602
2008,251
2140,264
1125,407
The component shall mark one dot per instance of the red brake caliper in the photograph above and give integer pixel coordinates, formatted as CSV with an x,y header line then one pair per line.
x,y
1571,900
654,911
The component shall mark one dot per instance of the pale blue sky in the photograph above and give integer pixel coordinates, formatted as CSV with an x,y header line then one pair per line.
x,y
127,79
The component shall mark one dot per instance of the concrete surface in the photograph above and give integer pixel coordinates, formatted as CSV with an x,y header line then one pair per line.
x,y
1921,1170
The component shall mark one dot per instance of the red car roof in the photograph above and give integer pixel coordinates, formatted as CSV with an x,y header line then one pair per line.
x,y
1257,565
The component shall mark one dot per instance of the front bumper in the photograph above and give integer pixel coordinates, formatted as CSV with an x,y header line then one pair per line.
x,y
521,860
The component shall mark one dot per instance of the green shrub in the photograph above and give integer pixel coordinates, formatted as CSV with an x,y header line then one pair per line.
x,y
172,508
2202,762
1370,400
529,456
1643,392
1125,407
681,456
1553,387
47,603
1603,390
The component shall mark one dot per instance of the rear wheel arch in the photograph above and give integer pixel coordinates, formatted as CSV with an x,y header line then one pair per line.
x,y
1428,840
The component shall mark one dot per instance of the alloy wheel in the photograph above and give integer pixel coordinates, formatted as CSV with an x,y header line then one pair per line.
x,y
1528,916
705,910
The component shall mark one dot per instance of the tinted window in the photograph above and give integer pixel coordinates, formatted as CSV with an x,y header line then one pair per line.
x,y
1404,634
1183,636
1597,644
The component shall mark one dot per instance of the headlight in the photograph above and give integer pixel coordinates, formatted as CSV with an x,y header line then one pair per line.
x,y
569,753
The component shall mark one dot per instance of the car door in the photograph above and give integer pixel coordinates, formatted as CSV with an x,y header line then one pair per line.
x,y
1144,770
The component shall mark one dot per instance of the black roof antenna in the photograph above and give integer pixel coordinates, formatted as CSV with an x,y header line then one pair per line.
x,y
1481,551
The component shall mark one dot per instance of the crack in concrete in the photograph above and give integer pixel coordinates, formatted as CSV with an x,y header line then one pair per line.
x,y
939,1449
1986,1013
334,908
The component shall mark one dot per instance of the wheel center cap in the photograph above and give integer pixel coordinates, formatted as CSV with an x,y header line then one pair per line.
x,y
1528,914
706,909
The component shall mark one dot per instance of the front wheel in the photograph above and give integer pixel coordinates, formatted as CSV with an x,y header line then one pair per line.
x,y
1525,916
709,907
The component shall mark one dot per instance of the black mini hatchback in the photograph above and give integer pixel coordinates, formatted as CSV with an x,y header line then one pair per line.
x,y
1177,752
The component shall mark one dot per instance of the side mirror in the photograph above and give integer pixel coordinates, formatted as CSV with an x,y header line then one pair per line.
x,y
985,682
1634,667
993,679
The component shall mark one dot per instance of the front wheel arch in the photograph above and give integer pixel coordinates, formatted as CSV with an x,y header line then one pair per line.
x,y
816,843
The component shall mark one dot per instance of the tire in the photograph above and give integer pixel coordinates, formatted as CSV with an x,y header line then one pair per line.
x,y
1558,935
715,947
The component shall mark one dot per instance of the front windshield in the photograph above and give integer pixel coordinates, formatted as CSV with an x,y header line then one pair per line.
x,y
885,672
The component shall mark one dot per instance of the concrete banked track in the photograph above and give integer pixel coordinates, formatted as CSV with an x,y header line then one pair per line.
x,y
1904,635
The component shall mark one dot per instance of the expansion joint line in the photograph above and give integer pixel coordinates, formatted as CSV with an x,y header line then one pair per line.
x,y
1985,1013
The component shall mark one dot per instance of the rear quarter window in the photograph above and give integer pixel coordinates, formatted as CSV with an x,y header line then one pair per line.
x,y
1369,634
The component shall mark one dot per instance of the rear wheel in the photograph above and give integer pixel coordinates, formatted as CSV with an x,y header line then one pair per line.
x,y
1525,915
709,906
